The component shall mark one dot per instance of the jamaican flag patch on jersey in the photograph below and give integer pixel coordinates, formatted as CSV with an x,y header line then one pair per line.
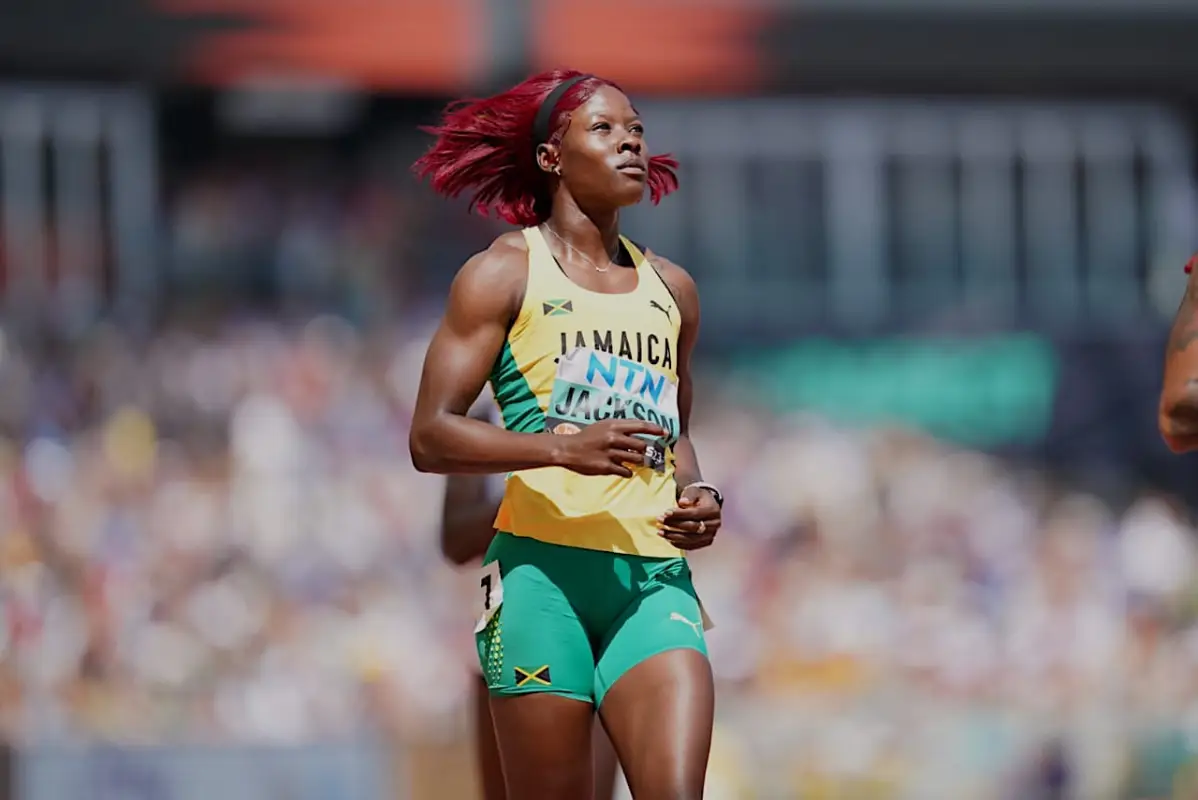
x,y
557,307
538,676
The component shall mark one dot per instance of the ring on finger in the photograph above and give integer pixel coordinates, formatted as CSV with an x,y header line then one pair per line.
x,y
702,527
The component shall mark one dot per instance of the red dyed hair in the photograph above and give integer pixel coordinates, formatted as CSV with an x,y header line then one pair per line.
x,y
486,148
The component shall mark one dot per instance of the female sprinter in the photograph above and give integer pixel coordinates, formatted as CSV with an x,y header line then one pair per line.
x,y
586,601
467,527
1178,417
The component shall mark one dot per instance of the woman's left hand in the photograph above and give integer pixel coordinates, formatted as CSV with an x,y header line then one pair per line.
x,y
694,523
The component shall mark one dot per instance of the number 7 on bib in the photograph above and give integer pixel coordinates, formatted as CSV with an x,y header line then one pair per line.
x,y
491,594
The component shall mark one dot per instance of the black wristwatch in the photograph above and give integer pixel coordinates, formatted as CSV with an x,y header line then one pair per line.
x,y
719,498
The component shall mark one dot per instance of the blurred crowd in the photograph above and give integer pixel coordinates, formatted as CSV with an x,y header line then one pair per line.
x,y
910,620
203,536
218,537
301,232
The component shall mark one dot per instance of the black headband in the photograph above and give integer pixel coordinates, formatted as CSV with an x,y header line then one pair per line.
x,y
540,127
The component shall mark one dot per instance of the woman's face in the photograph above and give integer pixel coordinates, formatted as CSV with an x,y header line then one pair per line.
x,y
602,157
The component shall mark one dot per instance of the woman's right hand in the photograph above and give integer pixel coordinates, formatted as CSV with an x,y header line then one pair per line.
x,y
606,448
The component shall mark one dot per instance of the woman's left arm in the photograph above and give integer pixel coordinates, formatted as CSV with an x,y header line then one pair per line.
x,y
695,521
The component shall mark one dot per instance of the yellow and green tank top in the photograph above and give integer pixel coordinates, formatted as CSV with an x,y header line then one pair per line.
x,y
572,358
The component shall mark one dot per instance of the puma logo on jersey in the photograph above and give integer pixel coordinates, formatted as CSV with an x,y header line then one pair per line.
x,y
697,627
663,309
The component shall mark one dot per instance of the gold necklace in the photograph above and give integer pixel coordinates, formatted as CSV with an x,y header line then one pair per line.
x,y
581,254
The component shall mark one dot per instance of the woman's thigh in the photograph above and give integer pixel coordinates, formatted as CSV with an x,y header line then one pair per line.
x,y
657,695
545,744
659,716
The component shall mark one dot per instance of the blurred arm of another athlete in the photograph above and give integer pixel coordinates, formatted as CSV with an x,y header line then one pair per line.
x,y
467,516
484,300
1178,415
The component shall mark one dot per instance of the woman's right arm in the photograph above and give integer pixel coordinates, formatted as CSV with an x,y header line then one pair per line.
x,y
483,300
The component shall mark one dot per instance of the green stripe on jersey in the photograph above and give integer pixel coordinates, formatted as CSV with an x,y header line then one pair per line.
x,y
515,398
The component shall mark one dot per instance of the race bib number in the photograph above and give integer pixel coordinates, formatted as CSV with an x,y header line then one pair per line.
x,y
491,594
592,386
